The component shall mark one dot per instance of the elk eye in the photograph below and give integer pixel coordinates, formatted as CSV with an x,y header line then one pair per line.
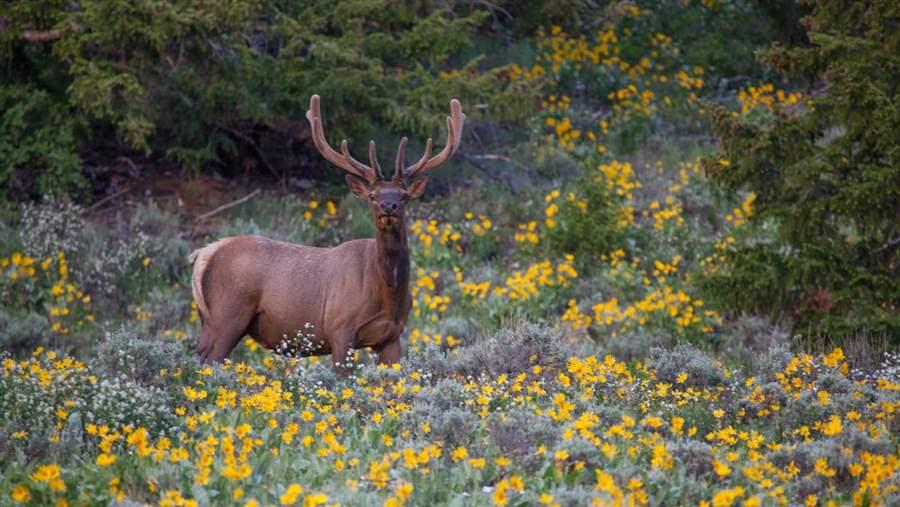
x,y
372,195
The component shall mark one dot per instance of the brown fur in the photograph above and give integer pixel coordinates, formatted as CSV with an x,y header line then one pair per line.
x,y
305,300
272,290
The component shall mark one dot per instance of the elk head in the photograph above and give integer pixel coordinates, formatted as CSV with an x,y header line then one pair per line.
x,y
387,198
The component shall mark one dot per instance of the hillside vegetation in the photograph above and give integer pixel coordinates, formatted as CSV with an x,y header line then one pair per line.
x,y
662,269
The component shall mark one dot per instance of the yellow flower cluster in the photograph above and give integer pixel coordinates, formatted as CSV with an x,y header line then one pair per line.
x,y
559,51
717,260
513,483
575,318
662,215
689,82
43,367
559,48
663,269
766,96
270,399
741,215
524,285
314,206
50,475
66,304
660,303
565,133
632,494
518,286
433,233
552,209
18,265
475,290
556,103
631,99
426,301
620,178
226,441
527,233
479,225
517,72
418,340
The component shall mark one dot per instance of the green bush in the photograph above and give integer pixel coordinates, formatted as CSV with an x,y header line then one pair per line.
x,y
37,143
221,81
587,225
825,173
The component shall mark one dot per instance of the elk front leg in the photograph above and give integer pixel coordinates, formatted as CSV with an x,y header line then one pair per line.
x,y
389,352
342,357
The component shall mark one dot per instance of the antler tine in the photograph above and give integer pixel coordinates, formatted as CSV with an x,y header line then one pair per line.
x,y
373,160
415,168
401,156
454,137
342,160
370,174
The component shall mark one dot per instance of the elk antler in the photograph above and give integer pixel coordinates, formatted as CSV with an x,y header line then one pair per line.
x,y
454,137
343,160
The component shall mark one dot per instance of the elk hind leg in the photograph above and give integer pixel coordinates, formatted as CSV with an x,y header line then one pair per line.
x,y
220,336
204,345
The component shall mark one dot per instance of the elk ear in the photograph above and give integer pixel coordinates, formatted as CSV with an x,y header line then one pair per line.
x,y
357,186
417,188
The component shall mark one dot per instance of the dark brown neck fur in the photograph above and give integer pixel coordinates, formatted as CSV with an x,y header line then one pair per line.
x,y
392,264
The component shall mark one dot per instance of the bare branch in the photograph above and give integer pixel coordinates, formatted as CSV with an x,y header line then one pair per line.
x,y
229,205
101,202
43,36
502,158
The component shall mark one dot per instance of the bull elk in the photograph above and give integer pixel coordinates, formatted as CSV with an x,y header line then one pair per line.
x,y
351,296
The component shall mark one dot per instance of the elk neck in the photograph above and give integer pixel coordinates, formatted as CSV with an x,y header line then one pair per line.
x,y
392,260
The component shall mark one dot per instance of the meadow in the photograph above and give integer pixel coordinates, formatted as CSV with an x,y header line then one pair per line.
x,y
579,332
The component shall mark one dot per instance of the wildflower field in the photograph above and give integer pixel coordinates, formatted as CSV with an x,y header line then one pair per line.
x,y
604,312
